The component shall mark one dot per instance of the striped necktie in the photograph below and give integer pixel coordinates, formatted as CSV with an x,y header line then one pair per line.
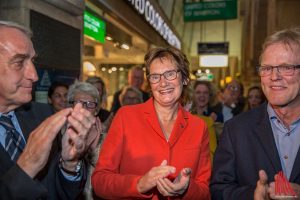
x,y
14,143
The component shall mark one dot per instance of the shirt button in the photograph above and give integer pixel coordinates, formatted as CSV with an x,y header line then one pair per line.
x,y
285,157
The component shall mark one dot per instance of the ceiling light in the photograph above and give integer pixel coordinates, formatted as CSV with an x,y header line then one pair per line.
x,y
213,60
88,66
108,38
125,46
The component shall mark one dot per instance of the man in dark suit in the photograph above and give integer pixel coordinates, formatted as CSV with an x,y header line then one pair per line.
x,y
34,163
256,145
135,79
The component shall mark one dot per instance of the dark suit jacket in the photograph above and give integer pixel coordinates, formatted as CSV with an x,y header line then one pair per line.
x,y
247,145
49,183
219,107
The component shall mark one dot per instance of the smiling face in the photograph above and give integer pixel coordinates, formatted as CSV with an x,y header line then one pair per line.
x,y
281,90
16,68
59,98
255,98
165,92
201,96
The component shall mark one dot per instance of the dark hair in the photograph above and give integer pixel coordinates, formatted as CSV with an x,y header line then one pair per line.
x,y
175,56
263,97
207,84
54,85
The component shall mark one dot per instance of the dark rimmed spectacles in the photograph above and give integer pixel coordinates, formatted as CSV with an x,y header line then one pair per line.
x,y
285,70
85,104
168,75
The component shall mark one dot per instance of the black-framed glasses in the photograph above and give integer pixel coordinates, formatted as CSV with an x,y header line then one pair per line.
x,y
85,104
285,70
168,75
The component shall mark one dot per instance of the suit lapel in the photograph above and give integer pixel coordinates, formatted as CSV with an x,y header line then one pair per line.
x,y
296,168
151,117
265,135
26,120
179,126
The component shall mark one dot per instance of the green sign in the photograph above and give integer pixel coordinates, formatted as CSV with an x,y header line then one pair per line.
x,y
213,10
94,27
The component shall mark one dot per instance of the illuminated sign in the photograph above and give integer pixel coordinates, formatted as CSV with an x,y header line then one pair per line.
x,y
94,27
145,8
212,10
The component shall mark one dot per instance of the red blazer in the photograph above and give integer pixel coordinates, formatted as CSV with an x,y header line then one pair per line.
x,y
135,143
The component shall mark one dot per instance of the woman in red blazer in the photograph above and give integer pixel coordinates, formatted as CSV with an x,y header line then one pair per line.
x,y
156,150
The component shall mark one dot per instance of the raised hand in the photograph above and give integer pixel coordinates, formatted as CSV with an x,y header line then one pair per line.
x,y
261,190
37,150
149,180
74,141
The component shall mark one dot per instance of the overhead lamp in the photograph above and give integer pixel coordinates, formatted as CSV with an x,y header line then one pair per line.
x,y
108,38
88,66
213,60
125,46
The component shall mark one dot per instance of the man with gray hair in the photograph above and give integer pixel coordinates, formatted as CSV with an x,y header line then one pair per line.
x,y
35,163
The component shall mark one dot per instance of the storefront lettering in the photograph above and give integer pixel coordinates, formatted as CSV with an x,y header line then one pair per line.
x,y
145,8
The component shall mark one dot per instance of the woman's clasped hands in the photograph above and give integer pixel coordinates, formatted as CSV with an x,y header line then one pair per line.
x,y
158,177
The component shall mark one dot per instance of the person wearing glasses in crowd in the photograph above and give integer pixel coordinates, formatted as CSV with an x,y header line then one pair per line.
x,y
151,150
88,96
135,79
258,144
130,96
57,95
35,164
231,101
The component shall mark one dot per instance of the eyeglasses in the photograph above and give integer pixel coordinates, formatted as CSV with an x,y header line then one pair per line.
x,y
85,104
169,75
285,70
233,88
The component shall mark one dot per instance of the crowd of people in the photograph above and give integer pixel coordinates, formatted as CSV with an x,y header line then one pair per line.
x,y
165,143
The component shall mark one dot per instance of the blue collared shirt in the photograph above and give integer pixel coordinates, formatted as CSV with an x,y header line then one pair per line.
x,y
287,140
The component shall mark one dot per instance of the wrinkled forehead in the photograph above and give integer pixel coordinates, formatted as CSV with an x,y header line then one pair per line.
x,y
14,41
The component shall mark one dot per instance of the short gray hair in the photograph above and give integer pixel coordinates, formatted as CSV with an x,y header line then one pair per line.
x,y
287,37
15,25
86,88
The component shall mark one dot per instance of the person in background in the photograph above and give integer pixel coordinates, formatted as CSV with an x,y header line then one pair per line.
x,y
135,79
32,165
258,144
130,96
151,150
255,97
88,96
100,85
104,115
231,100
57,95
203,93
202,96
